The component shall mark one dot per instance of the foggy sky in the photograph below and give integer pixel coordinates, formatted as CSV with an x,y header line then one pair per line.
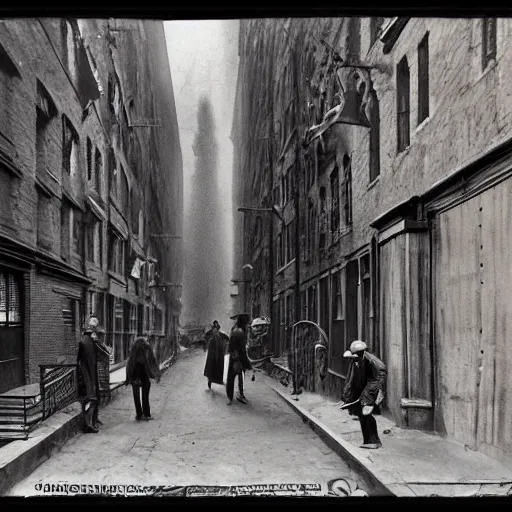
x,y
203,56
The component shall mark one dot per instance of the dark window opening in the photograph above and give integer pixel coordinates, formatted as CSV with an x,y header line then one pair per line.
x,y
335,200
423,80
89,159
70,146
403,105
489,37
98,169
347,190
374,137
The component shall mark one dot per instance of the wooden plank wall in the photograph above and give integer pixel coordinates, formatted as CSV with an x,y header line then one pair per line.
x,y
494,414
457,320
393,325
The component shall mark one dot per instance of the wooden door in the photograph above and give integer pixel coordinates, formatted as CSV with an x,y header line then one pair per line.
x,y
393,327
12,367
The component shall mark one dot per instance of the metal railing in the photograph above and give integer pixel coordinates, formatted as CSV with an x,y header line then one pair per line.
x,y
59,387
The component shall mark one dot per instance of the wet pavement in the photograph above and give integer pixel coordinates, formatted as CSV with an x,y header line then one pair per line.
x,y
195,438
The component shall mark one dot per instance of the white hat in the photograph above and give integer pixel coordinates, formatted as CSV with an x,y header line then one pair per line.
x,y
357,346
93,322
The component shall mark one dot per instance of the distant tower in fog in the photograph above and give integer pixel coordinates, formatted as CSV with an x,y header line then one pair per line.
x,y
205,250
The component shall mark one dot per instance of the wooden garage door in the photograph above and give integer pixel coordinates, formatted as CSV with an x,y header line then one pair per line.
x,y
473,325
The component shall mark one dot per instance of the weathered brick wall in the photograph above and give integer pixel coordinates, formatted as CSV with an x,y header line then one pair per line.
x,y
49,339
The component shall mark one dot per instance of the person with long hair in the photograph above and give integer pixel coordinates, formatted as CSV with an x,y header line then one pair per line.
x,y
140,369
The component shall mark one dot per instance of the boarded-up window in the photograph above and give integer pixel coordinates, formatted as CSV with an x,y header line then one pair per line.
x,y
403,104
423,80
489,36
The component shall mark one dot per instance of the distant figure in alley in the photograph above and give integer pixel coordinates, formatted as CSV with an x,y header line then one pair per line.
x,y
364,390
215,344
88,383
238,359
140,369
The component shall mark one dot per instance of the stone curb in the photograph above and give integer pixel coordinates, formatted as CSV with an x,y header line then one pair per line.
x,y
20,458
344,449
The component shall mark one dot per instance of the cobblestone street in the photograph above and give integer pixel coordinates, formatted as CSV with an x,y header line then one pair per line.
x,y
194,439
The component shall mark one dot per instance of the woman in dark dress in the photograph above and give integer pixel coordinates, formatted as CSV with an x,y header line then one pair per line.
x,y
142,367
215,342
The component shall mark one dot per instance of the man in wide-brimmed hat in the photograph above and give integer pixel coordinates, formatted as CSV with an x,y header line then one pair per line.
x,y
364,390
238,359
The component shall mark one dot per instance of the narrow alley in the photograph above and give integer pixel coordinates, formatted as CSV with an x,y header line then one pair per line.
x,y
194,439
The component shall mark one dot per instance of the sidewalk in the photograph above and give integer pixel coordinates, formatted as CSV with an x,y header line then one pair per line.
x,y
19,458
410,462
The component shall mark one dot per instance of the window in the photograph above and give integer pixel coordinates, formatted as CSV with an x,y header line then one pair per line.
x,y
77,230
324,304
374,137
65,229
69,313
423,80
158,320
89,159
116,252
10,304
312,312
347,190
69,48
124,193
69,147
489,36
94,245
98,169
118,323
335,200
403,105
45,117
280,261
312,220
365,297
112,173
337,335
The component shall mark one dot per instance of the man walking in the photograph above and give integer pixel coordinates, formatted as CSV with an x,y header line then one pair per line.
x,y
215,345
238,359
364,390
89,389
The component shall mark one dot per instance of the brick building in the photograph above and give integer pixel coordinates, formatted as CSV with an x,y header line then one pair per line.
x,y
91,191
401,193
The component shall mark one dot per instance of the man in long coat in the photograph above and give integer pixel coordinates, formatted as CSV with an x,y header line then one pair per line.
x,y
364,390
215,344
238,359
88,382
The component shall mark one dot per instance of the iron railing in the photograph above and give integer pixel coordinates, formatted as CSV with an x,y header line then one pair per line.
x,y
59,387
